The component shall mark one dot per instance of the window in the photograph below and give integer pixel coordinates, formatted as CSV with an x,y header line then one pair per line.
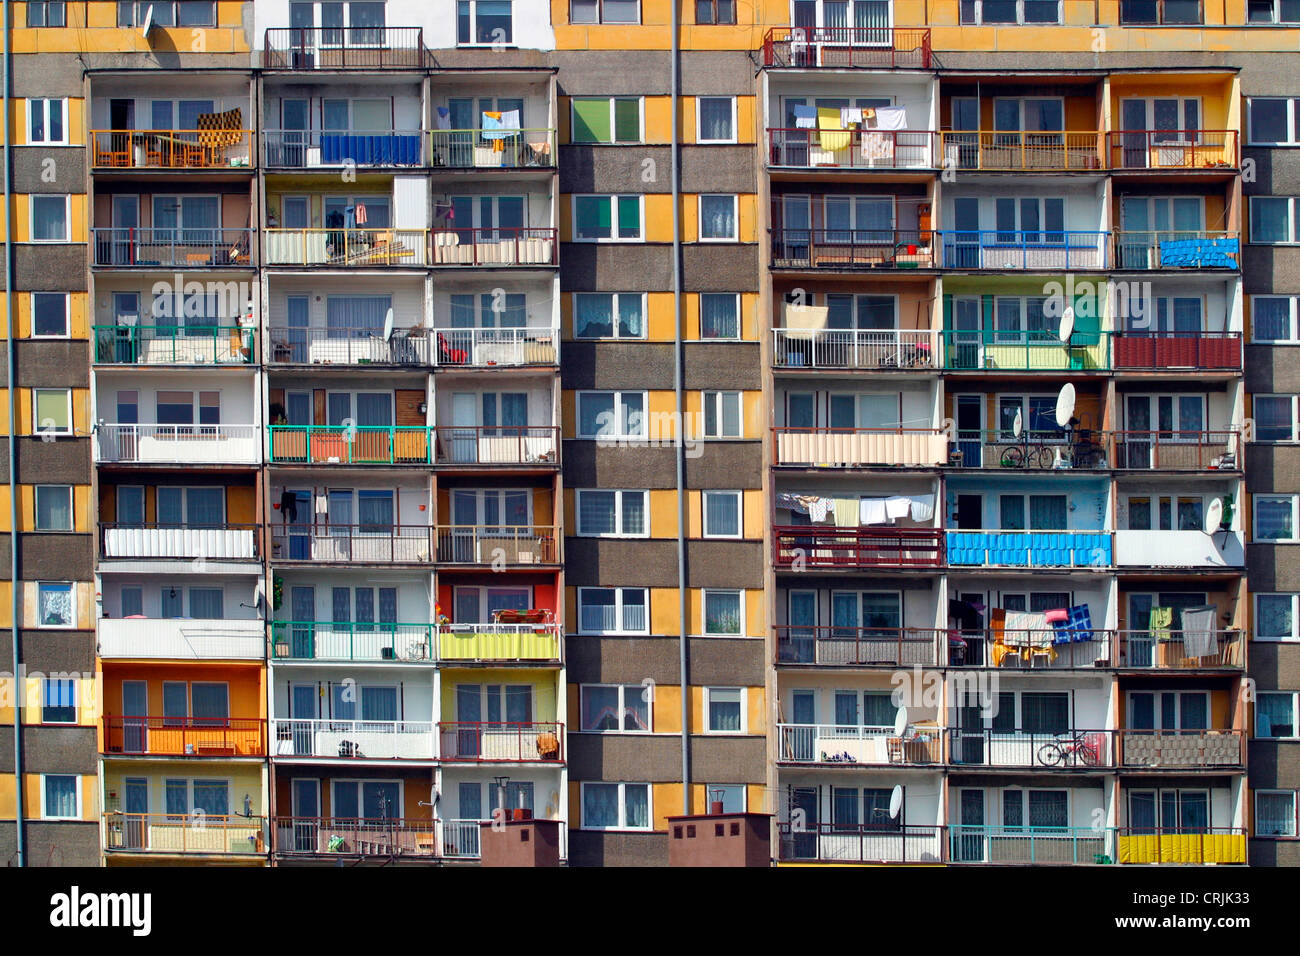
x,y
715,119
49,315
52,411
1273,121
732,796
1029,219
715,11
1276,617
1157,513
59,701
719,315
1275,813
1168,710
54,604
61,796
718,218
46,14
724,709
1159,11
613,611
722,514
1010,11
1273,220
604,119
49,218
1275,418
200,798
616,806
171,13
722,415
1275,518
47,121
608,219
611,414
53,507
1275,715
615,708
609,315
480,22
604,11
723,613
1033,512
1272,11
612,514
1273,318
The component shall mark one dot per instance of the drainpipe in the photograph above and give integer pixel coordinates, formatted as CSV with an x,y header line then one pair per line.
x,y
681,410
14,584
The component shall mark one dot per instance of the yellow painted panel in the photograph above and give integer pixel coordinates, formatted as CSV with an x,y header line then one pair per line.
x,y
503,647
23,412
81,512
664,611
22,206
658,112
1182,848
755,613
6,590
8,800
665,802
667,713
659,216
663,513
748,317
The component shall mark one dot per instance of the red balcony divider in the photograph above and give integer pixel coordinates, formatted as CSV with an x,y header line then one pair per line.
x,y
1154,351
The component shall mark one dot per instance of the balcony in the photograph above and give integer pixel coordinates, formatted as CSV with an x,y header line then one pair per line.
x,y
170,345
341,248
497,741
1022,151
140,248
1035,351
1181,749
831,646
1019,250
868,746
151,541
1218,450
1016,845
168,834
901,349
350,444
496,348
337,836
1170,651
180,640
185,736
1166,150
499,642
354,739
1081,450
468,149
408,347
865,149
860,447
312,149
1179,549
1062,648
502,246
372,47
1173,250
329,543
461,839
178,444
1161,351
1030,549
351,641
508,445
858,843
844,250
1200,845
171,148
1031,749
841,47
807,546
495,546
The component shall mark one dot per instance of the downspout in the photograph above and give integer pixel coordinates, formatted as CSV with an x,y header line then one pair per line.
x,y
681,411
18,691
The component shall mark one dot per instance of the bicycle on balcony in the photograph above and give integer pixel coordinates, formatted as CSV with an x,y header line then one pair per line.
x,y
1067,751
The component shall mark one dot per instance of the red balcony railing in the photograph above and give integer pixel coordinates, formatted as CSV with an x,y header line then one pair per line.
x,y
1156,351
1162,149
1169,651
808,546
855,250
489,741
859,646
337,836
185,736
838,47
502,445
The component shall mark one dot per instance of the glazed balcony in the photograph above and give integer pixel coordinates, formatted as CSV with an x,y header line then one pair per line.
x,y
180,639
467,149
1030,549
808,546
1216,450
350,444
178,444
1056,846
171,148
849,250
502,445
355,739
1036,351
831,646
1172,150
1160,351
501,741
312,149
495,546
1017,250
343,641
1031,749
385,838
185,736
864,149
853,349
374,47
166,345
179,834
154,541
1176,250
841,47
1200,845
330,543
407,347
496,348
483,643
860,843
501,246
860,447
1080,450
342,248
1181,749
137,247
866,746
1170,651
1022,151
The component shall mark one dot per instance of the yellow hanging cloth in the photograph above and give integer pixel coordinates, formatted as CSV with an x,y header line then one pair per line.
x,y
833,137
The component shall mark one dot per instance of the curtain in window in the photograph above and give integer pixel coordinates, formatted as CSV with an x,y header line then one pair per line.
x,y
374,409
205,507
1048,808
722,513
835,13
1274,715
718,217
356,316
519,704
633,513
844,806
209,701
637,804
171,600
342,605
600,805
875,809
375,511
177,797
379,703
1045,713
715,118
878,710
1275,814
364,609
1047,512
54,509
846,708
722,613
56,605
379,801
718,318
1273,616
200,217
596,512
189,111
881,611
61,796
207,603
595,316
346,803
462,312
1271,318
724,711
339,407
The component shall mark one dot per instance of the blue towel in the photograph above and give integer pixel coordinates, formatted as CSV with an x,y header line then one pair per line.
x,y
805,117
383,149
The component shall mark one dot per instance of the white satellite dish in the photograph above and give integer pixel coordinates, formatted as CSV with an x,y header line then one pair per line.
x,y
1065,405
388,326
1017,424
1067,325
900,722
1213,516
896,802
148,22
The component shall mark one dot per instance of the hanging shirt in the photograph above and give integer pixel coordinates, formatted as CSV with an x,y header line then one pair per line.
x,y
850,116
361,214
443,118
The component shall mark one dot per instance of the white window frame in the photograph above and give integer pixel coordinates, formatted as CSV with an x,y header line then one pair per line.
x,y
1295,715
623,691
46,102
1156,713
1019,20
613,140
1295,417
67,218
717,397
622,805
735,217
618,607
36,425
1292,126
600,16
1294,636
699,135
1295,817
137,20
1293,311
739,496
1254,520
1160,21
612,199
77,788
36,505
709,788
1293,227
740,317
704,612
617,297
76,701
618,413
67,316
744,716
1276,18
1154,500
618,494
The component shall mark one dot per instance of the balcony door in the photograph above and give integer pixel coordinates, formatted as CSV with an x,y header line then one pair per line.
x,y
966,233
1163,418
801,638
969,846
1145,221
1169,811
794,235
1143,639
122,241
804,819
1149,122
135,711
136,806
306,814
302,605
969,415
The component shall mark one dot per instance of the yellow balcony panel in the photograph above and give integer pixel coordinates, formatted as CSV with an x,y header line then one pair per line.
x,y
1218,847
498,642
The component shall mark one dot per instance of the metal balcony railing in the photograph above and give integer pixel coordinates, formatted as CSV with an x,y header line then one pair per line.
x,y
859,447
1170,650
177,443
1020,748
333,543
500,246
851,148
191,344
807,546
1162,150
1037,350
180,639
854,348
135,247
495,545
509,741
185,736
1018,249
839,47
341,836
1031,844
883,842
1175,749
499,642
1181,845
859,646
469,149
1172,249
159,833
309,149
1030,549
407,346
373,47
503,445
1022,150
1063,648
347,248
1036,450
461,839
852,250
1155,351
495,348
1215,450
359,739
351,641
849,744
350,444
171,148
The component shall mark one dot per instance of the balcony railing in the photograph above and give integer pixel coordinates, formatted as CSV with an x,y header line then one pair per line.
x,y
1218,450
1015,249
511,741
231,542
860,843
502,246
161,833
338,836
873,746
1169,650
851,148
1189,548
852,250
461,839
1036,351
860,447
309,149
344,48
171,345
492,348
185,736
180,639
499,642
838,47
468,149
1157,351
348,346
1030,549
500,445
858,646
343,248
171,148
1060,648
1162,150
495,545
173,248
1177,249
1081,449
359,739
1182,846
350,444
1030,844
1174,749
854,348
807,546
171,444
1015,747
1022,150
330,543
351,641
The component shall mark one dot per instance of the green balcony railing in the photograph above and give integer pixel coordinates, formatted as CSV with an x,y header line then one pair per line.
x,y
350,641
1030,844
1025,352
351,444
172,345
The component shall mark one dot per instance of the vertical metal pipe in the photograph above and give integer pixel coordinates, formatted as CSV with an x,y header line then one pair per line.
x,y
680,406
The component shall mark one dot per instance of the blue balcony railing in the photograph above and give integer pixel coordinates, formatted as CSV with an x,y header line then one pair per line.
x,y
1002,249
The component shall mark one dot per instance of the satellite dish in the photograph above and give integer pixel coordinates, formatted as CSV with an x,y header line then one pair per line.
x,y
1065,405
896,802
1213,516
1067,325
388,326
1017,425
900,722
148,21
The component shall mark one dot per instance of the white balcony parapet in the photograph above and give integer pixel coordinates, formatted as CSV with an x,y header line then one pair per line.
x,y
156,638
182,444
355,739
